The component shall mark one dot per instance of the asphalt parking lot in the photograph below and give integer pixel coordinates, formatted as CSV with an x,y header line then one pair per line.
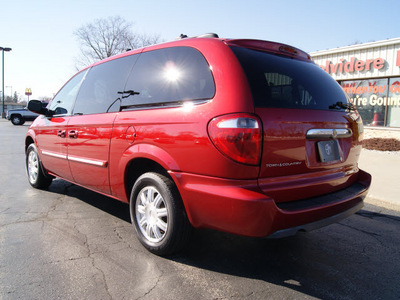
x,y
71,243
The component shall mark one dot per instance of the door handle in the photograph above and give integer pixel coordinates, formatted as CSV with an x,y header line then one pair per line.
x,y
61,133
73,134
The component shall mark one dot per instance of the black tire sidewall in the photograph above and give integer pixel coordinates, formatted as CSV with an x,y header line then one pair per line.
x,y
42,180
171,197
20,120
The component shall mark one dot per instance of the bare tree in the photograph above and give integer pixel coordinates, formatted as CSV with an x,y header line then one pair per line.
x,y
107,37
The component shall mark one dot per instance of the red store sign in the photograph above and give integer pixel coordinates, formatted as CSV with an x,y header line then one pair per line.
x,y
357,65
354,65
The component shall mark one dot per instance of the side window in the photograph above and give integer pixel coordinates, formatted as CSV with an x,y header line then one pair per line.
x,y
99,91
170,75
63,102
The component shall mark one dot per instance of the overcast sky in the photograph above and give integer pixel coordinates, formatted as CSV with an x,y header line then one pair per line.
x,y
44,48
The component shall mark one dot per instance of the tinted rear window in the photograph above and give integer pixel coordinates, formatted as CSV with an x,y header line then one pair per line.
x,y
283,82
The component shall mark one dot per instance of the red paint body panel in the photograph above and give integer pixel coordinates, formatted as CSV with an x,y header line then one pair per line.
x,y
88,151
52,144
290,167
240,207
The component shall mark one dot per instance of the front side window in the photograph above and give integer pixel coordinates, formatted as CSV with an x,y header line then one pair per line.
x,y
63,102
283,82
103,86
169,75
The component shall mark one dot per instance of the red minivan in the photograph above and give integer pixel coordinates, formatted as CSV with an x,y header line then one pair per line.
x,y
244,136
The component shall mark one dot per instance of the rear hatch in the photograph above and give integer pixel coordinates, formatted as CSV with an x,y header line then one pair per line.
x,y
311,134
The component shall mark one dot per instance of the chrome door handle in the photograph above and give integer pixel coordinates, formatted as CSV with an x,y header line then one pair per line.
x,y
61,133
73,134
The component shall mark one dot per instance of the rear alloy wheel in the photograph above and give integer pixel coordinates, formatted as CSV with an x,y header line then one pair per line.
x,y
37,178
158,214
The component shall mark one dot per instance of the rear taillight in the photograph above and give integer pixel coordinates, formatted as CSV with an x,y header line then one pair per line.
x,y
238,136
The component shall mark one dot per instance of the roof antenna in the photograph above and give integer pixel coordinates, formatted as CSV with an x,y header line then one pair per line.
x,y
182,36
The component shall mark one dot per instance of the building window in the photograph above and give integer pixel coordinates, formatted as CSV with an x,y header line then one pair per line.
x,y
377,100
393,111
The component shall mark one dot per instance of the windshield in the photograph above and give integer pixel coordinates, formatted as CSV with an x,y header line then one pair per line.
x,y
283,82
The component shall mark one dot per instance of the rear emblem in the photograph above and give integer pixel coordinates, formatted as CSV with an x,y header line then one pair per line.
x,y
328,149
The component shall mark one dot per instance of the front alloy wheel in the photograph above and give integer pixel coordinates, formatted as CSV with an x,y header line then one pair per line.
x,y
33,166
37,178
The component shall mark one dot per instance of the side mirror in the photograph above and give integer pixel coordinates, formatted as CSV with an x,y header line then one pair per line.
x,y
37,107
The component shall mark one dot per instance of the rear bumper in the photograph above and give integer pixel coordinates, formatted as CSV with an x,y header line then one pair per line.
x,y
317,224
239,206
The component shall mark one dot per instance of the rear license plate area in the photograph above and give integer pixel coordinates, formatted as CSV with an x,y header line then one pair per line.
x,y
328,150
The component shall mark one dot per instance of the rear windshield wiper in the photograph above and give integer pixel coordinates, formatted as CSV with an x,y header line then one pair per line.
x,y
126,94
342,105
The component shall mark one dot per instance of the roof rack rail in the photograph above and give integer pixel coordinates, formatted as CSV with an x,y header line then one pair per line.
x,y
205,35
208,35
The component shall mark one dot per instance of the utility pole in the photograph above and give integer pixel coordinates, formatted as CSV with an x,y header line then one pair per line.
x,y
3,114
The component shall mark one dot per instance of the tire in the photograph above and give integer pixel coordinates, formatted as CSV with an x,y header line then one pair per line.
x,y
158,214
17,120
36,176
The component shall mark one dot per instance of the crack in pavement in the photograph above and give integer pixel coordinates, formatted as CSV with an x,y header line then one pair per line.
x,y
103,276
90,256
3,211
371,234
153,287
373,215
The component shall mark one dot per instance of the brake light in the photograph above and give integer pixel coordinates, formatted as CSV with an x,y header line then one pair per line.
x,y
288,50
238,136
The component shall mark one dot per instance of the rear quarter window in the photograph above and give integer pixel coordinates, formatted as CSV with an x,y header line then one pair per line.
x,y
170,75
284,82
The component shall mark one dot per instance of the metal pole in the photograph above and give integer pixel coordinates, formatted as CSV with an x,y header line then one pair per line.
x,y
3,115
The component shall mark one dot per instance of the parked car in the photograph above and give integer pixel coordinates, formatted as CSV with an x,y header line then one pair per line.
x,y
244,136
20,115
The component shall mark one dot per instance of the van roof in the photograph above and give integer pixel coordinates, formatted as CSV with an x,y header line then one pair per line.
x,y
260,45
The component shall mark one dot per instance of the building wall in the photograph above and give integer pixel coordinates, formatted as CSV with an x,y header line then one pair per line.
x,y
370,74
340,58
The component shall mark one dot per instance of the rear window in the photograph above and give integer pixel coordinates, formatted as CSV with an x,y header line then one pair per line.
x,y
283,82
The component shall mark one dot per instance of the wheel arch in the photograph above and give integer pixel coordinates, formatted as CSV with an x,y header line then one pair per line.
x,y
31,140
143,158
28,140
139,166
